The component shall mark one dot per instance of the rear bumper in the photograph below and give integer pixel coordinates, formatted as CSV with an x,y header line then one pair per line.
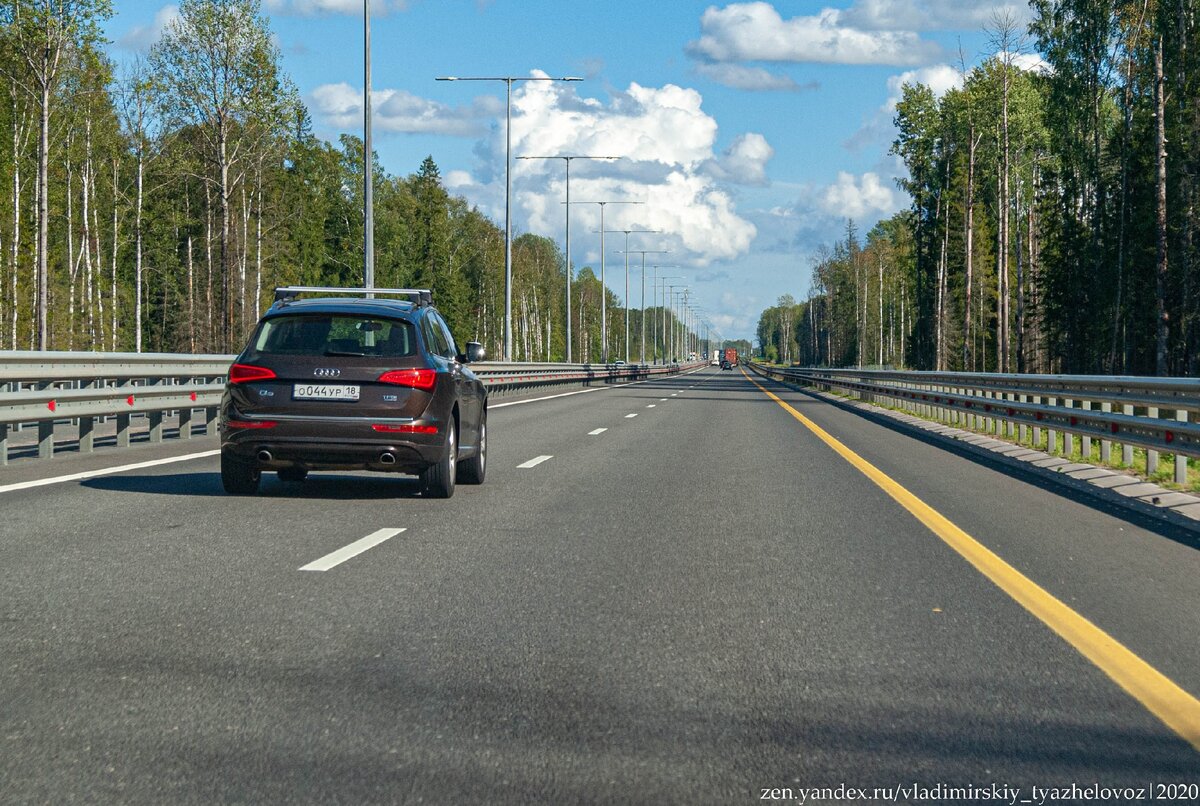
x,y
332,444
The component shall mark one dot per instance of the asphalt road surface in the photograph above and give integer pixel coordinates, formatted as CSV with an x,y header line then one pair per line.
x,y
690,598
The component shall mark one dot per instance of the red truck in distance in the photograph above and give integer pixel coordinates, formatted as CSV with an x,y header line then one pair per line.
x,y
730,359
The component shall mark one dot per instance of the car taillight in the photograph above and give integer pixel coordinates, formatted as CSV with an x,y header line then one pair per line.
x,y
252,423
383,428
241,373
423,379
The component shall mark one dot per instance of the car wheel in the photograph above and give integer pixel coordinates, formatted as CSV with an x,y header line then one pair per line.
x,y
472,470
238,476
293,474
439,478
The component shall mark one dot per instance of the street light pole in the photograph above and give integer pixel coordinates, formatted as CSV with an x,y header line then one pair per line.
x,y
368,167
508,81
567,159
643,253
626,253
603,285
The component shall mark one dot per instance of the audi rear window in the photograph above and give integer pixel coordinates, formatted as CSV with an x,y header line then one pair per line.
x,y
325,334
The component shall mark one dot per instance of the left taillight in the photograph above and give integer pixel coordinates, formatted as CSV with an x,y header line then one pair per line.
x,y
243,373
423,379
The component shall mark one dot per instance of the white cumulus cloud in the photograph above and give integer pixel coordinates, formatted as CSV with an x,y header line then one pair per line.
x,y
865,197
940,78
667,144
143,37
744,162
755,31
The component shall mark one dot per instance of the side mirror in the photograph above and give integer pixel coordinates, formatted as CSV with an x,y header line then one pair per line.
x,y
475,352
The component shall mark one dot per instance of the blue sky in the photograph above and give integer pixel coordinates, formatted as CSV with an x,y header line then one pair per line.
x,y
751,131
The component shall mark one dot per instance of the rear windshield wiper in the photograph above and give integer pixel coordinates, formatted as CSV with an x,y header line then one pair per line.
x,y
342,352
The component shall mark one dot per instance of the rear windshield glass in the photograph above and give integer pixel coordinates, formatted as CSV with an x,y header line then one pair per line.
x,y
335,335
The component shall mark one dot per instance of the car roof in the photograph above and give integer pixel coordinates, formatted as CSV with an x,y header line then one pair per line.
x,y
354,307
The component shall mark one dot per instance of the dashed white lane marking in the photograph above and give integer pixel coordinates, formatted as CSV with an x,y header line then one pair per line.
x,y
534,462
597,431
652,405
108,471
662,400
353,550
630,416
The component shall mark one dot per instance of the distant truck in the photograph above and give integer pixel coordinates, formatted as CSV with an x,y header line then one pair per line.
x,y
730,359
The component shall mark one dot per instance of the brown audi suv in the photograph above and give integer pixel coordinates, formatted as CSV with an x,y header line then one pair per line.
x,y
369,382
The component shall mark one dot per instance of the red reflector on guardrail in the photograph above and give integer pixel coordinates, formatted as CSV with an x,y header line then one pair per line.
x,y
1170,437
129,400
52,405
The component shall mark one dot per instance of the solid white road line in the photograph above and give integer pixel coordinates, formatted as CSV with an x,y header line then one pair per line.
x,y
91,474
353,550
630,416
534,462
597,431
651,405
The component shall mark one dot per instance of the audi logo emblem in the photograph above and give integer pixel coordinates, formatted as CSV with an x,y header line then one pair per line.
x,y
326,372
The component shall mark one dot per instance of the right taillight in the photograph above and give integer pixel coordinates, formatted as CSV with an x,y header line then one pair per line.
x,y
243,373
423,379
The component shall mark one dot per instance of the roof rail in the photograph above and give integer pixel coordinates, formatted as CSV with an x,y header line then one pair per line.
x,y
418,296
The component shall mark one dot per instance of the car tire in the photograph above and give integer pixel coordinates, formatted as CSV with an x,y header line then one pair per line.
x,y
439,478
293,474
472,471
238,476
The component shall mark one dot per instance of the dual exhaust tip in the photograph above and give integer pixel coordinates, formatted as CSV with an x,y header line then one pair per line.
x,y
385,458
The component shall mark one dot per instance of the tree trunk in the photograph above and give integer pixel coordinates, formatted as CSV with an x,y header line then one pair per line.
x,y
1160,273
970,245
43,212
137,254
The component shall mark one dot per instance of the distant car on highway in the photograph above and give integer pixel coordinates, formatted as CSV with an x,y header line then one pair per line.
x,y
360,383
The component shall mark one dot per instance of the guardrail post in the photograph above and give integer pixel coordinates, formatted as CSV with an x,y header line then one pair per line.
x,y
1068,437
3,444
1126,448
156,417
1051,434
1085,441
45,439
87,434
1022,430
210,421
185,423
1037,429
1106,444
1152,456
1181,463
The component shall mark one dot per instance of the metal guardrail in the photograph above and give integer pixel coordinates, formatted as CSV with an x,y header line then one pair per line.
x,y
45,389
1124,410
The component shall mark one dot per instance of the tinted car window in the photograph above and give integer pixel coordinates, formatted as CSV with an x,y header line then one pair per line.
x,y
450,345
333,335
435,337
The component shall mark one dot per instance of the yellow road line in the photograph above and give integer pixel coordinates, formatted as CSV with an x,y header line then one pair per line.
x,y
1178,709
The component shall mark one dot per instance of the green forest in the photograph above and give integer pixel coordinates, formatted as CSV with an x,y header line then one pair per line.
x,y
1053,212
155,207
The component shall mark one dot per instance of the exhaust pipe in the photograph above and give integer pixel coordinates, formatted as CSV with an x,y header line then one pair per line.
x,y
264,456
387,458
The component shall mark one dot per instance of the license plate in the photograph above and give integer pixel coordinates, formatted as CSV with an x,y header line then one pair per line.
x,y
324,391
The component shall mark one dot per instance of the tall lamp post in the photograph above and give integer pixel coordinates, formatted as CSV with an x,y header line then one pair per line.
x,y
368,167
567,158
626,253
663,281
643,253
603,286
508,81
